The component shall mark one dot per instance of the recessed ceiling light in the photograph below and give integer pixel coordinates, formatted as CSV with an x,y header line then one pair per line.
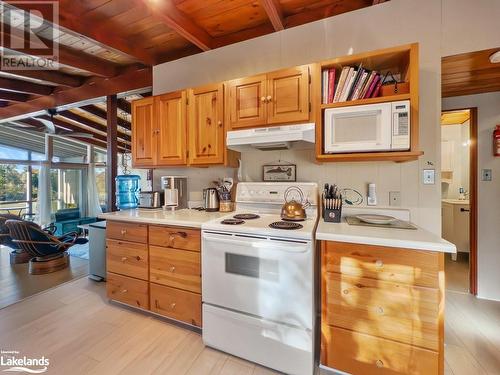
x,y
495,57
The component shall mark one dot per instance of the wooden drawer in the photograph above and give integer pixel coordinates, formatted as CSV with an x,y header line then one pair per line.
x,y
127,231
361,354
176,268
127,258
125,289
175,237
412,267
176,304
400,312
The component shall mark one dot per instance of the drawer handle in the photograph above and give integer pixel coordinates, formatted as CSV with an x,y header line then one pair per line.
x,y
380,310
123,232
124,259
124,291
157,304
180,234
379,363
172,269
379,263
172,306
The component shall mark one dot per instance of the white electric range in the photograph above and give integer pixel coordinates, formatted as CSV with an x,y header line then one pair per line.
x,y
258,280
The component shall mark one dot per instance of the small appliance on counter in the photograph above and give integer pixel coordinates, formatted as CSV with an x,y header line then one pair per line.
x,y
332,204
127,191
211,199
294,208
151,199
175,192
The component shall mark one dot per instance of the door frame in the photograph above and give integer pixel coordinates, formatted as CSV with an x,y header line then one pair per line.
x,y
473,176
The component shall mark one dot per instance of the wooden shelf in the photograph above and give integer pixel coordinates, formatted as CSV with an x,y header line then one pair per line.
x,y
379,99
397,156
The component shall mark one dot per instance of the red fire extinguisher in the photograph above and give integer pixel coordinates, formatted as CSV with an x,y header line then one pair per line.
x,y
496,141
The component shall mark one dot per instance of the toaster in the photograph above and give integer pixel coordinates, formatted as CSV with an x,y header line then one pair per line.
x,y
150,199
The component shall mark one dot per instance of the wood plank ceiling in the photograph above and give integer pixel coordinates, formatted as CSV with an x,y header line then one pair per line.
x,y
107,47
470,73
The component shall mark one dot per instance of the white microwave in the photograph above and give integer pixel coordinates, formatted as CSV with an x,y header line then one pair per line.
x,y
365,128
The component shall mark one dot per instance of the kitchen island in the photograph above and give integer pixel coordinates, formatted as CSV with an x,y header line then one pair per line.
x,y
382,299
153,261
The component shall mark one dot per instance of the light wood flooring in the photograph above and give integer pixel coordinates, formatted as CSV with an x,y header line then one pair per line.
x,y
82,333
16,283
457,273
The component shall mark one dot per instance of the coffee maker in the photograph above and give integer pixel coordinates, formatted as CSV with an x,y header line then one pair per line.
x,y
175,192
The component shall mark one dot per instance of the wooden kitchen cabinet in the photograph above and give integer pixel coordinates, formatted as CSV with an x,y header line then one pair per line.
x,y
206,125
266,99
144,146
159,130
171,132
381,309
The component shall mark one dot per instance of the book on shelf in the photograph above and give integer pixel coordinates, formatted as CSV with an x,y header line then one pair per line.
x,y
331,84
340,83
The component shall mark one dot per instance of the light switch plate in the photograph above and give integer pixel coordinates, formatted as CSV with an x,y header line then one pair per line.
x,y
429,176
486,175
395,198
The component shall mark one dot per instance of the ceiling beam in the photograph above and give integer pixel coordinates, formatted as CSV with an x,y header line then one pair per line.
x,y
132,80
73,18
12,96
275,13
51,76
73,58
101,113
167,12
124,106
24,86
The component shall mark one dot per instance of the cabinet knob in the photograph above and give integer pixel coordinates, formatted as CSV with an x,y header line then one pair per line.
x,y
124,259
123,232
262,99
379,263
268,99
380,310
219,123
172,306
345,291
379,363
172,269
124,291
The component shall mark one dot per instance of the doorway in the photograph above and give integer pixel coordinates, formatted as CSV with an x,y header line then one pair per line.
x,y
459,196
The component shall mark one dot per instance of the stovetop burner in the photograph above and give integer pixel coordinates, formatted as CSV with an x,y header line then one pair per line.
x,y
246,216
232,221
288,225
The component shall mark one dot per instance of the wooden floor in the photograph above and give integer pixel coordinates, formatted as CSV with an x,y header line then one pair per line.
x,y
81,333
16,283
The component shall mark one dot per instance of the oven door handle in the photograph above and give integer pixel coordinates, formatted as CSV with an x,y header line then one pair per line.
x,y
285,246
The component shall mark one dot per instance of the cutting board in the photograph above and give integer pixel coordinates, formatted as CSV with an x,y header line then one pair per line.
x,y
398,224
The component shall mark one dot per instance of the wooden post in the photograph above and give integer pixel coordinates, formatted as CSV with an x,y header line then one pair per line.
x,y
112,151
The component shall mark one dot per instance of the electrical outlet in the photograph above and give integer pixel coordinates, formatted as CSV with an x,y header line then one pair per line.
x,y
429,176
395,198
486,175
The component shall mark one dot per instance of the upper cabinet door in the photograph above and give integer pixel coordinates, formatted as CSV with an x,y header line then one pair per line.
x,y
172,138
206,127
288,95
247,102
143,133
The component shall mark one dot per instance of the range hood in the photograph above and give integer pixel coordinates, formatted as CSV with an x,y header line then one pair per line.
x,y
299,136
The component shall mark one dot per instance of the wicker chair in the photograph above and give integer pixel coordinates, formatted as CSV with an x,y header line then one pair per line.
x,y
48,253
17,255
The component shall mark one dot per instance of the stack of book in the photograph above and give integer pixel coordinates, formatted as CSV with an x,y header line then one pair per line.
x,y
353,83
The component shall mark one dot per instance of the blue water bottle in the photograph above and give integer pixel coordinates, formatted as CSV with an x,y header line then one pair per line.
x,y
127,191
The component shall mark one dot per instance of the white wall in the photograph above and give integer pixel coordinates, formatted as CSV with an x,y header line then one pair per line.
x,y
488,107
442,27
458,135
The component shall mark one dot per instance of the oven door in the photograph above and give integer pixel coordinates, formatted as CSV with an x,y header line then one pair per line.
x,y
361,128
262,277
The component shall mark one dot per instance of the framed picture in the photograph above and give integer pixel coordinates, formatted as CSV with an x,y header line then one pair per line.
x,y
279,172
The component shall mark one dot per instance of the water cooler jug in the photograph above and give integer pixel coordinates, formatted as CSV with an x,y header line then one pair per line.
x,y
127,191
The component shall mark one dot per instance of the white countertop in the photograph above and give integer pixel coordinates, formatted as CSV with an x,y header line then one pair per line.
x,y
419,239
181,218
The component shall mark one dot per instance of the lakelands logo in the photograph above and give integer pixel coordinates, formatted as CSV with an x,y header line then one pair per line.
x,y
14,362
28,30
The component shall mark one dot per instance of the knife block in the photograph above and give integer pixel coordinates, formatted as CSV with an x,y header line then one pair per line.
x,y
332,215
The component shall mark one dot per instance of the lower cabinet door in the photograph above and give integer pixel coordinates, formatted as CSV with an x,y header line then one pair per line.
x,y
128,290
360,354
176,304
